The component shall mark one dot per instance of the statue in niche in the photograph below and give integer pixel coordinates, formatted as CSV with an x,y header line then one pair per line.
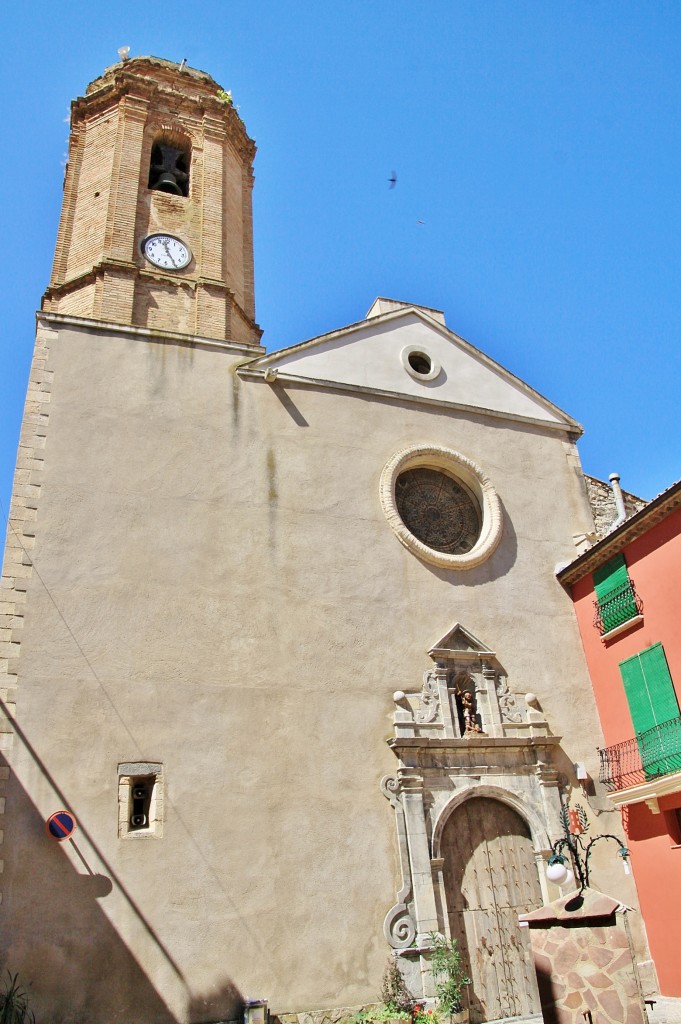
x,y
467,712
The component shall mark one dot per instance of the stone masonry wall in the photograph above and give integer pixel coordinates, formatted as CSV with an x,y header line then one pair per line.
x,y
602,501
17,568
586,968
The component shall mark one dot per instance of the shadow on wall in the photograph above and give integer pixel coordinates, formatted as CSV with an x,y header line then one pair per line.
x,y
223,1004
497,565
70,959
640,823
547,996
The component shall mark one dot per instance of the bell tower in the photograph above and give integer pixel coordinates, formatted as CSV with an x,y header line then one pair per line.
x,y
156,228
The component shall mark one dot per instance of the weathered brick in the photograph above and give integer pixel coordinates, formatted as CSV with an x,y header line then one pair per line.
x,y
106,214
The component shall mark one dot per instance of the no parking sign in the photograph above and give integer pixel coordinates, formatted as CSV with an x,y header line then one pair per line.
x,y
61,825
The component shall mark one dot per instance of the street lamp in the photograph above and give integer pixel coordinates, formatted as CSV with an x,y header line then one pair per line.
x,y
572,847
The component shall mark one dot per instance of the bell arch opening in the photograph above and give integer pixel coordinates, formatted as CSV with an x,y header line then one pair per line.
x,y
170,164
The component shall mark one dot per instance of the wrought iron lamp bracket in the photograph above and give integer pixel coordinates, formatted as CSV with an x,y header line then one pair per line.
x,y
580,854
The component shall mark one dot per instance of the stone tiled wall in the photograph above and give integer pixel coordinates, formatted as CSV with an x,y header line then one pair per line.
x,y
584,966
332,1016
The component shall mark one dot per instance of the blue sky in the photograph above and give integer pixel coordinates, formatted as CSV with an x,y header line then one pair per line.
x,y
539,143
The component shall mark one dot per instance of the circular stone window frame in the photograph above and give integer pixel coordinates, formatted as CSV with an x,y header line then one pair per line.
x,y
419,350
461,469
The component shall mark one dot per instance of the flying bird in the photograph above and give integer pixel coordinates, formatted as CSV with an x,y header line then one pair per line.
x,y
393,180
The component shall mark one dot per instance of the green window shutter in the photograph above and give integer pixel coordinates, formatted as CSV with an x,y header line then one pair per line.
x,y
610,576
652,701
659,683
613,591
638,698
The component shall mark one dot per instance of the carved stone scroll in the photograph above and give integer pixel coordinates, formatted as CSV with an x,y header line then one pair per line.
x,y
507,704
399,926
428,710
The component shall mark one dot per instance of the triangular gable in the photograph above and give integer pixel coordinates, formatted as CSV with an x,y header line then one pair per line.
x,y
372,355
459,643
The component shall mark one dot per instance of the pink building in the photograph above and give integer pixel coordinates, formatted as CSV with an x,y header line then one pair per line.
x,y
627,599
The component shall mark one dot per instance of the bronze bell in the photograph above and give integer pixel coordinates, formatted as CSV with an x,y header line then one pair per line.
x,y
167,182
169,170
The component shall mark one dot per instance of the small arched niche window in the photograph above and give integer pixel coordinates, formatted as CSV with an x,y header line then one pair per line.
x,y
169,165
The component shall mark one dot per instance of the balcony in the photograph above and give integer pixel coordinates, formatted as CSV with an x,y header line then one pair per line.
x,y
648,764
621,607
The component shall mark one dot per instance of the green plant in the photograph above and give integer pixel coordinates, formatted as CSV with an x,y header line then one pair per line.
x,y
14,1007
373,1014
423,1016
225,97
394,992
449,975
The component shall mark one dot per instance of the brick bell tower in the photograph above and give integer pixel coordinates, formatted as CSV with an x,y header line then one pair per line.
x,y
156,227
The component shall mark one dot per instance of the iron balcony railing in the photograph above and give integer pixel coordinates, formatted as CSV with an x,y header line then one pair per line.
x,y
617,608
650,755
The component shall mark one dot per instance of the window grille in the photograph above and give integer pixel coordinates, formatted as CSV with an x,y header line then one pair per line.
x,y
616,599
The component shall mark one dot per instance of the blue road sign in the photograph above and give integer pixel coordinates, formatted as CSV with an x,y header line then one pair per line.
x,y
61,825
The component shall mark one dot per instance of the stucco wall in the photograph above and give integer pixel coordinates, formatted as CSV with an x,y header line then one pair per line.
x,y
654,564
216,589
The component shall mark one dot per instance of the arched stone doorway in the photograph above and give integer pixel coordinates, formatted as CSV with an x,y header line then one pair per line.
x,y
490,877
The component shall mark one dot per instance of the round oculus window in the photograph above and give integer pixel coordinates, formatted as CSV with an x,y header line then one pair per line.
x,y
420,365
441,506
440,511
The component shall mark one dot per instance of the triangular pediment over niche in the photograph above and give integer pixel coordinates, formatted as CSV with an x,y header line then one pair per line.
x,y
407,352
459,643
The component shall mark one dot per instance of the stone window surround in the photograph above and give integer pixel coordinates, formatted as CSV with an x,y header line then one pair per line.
x,y
419,350
459,468
128,773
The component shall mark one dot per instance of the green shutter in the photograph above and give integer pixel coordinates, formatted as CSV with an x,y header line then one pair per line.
x,y
613,591
638,698
652,701
659,683
610,576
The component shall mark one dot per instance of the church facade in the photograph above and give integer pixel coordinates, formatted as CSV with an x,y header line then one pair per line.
x,y
281,632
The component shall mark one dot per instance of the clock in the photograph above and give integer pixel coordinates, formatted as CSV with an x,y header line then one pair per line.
x,y
166,252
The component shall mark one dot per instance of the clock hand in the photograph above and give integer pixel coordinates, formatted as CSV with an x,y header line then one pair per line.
x,y
170,255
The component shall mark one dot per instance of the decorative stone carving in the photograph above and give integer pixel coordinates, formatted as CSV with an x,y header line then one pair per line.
x,y
471,529
399,926
430,700
507,701
464,735
440,511
465,696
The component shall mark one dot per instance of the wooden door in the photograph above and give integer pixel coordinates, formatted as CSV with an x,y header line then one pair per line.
x,y
491,877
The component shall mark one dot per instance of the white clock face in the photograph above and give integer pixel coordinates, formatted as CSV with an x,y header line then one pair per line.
x,y
166,252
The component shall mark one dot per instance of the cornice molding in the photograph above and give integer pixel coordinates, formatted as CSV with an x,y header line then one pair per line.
x,y
478,741
248,372
648,792
158,83
57,320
